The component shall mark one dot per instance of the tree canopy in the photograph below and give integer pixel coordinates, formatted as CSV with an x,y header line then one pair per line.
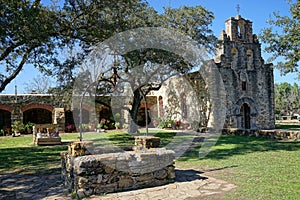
x,y
283,39
193,22
287,99
56,40
29,34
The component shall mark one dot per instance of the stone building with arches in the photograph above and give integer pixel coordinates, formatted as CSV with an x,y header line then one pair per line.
x,y
248,82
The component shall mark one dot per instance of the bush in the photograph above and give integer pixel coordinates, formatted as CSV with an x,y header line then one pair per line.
x,y
18,126
165,123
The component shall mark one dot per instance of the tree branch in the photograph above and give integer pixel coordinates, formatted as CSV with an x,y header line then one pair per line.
x,y
17,70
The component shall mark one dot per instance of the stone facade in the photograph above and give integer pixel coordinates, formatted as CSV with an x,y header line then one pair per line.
x,y
248,82
47,109
37,108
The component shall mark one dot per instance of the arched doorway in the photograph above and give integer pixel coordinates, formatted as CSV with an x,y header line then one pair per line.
x,y
246,118
69,122
37,116
5,120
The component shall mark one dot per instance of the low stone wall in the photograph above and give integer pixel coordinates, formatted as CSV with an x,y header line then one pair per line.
x,y
270,134
112,172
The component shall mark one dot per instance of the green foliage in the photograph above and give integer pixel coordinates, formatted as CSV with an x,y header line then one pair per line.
x,y
117,116
283,39
192,21
100,125
165,123
29,125
85,127
117,124
27,35
287,98
18,126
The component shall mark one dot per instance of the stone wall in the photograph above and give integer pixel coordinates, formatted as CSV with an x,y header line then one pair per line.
x,y
270,134
112,172
248,81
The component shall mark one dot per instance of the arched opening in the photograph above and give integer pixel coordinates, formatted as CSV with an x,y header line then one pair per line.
x,y
249,61
69,122
244,85
246,118
241,29
239,32
37,116
5,120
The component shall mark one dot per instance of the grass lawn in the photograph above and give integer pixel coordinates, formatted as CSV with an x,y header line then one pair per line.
x,y
261,168
289,126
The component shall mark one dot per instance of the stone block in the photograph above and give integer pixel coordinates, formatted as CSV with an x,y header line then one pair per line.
x,y
125,182
113,172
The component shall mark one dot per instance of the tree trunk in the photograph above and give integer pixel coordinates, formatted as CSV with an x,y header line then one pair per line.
x,y
134,111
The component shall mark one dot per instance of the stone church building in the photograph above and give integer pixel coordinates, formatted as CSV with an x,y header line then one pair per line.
x,y
248,82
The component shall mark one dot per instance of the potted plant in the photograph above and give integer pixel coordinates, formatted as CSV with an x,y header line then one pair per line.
x,y
29,126
17,127
117,125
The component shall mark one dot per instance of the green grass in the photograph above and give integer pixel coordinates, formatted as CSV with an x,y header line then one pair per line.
x,y
18,154
262,169
288,126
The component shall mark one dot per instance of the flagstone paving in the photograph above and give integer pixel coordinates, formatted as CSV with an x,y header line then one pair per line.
x,y
189,185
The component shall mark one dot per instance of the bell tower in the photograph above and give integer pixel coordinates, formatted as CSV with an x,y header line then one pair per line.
x,y
249,82
239,29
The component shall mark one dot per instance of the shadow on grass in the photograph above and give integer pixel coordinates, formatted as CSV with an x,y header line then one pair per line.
x,y
228,146
32,160
188,175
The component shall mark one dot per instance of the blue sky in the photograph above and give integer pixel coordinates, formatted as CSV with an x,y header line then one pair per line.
x,y
258,11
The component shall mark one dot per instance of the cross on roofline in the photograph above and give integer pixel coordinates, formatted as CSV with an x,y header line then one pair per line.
x,y
238,9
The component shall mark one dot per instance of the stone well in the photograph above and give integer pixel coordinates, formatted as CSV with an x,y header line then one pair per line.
x,y
113,172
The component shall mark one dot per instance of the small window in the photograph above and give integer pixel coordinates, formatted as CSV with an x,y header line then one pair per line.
x,y
244,85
